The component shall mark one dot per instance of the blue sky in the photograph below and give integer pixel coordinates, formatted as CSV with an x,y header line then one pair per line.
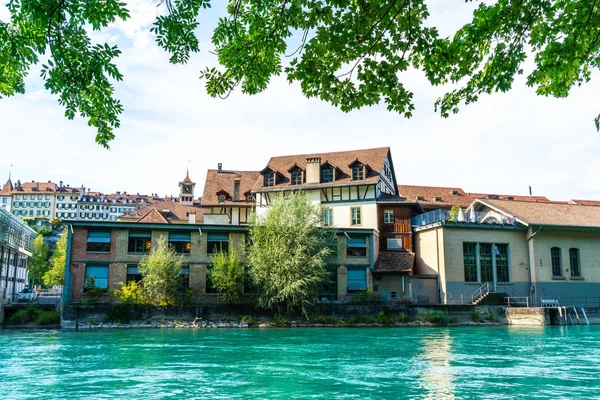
x,y
502,144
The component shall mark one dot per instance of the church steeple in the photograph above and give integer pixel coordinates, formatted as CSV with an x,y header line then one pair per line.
x,y
186,190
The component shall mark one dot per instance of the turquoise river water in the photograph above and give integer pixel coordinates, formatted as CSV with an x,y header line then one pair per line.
x,y
329,363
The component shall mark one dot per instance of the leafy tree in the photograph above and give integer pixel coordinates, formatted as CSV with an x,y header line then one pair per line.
x,y
38,264
91,291
161,270
56,274
131,293
288,254
348,53
228,275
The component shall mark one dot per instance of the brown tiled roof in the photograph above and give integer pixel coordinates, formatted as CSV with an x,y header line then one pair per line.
x,y
449,196
7,188
548,213
187,179
374,158
173,213
535,199
585,202
35,187
217,181
394,261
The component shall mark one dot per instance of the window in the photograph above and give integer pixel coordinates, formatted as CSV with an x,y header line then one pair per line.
x,y
269,179
357,280
574,261
209,288
133,273
181,242
98,241
296,177
4,200
60,197
221,198
47,197
502,262
39,196
555,255
358,173
388,216
18,197
470,262
356,246
100,274
251,198
217,242
485,262
139,242
356,218
327,175
184,279
328,217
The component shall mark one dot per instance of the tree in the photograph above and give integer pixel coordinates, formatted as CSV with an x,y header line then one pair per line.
x,y
348,53
289,254
38,264
228,275
56,274
161,270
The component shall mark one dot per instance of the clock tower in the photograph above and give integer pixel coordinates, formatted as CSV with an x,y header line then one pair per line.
x,y
186,190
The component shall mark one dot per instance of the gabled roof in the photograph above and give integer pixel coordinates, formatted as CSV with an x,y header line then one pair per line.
x,y
341,160
223,181
546,213
7,188
171,212
426,195
153,217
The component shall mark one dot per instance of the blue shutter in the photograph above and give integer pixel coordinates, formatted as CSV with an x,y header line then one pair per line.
x,y
100,274
218,237
357,241
98,237
179,237
133,270
357,279
140,234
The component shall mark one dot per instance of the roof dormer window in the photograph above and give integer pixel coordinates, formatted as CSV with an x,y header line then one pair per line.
x,y
455,193
420,198
327,174
439,199
269,179
358,172
221,198
296,177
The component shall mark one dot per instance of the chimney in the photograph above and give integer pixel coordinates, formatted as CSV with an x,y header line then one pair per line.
x,y
60,185
118,193
192,218
219,168
530,191
313,170
37,186
236,189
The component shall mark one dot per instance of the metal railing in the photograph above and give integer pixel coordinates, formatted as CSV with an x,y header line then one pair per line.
x,y
462,217
560,301
517,301
480,292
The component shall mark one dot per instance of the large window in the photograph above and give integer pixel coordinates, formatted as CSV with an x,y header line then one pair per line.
x,y
356,217
98,241
484,260
556,257
133,273
217,242
356,246
180,241
357,280
328,217
327,175
296,177
470,257
574,261
388,216
100,274
139,241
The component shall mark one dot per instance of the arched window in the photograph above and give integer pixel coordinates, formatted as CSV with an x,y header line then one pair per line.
x,y
574,261
555,254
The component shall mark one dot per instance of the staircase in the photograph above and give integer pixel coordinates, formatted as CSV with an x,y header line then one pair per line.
x,y
480,294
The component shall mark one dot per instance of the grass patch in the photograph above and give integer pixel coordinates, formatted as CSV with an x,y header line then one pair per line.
x,y
33,315
280,320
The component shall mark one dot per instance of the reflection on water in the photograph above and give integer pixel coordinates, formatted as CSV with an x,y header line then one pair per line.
x,y
437,380
394,363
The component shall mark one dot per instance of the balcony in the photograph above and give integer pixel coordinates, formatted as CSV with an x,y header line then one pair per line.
x,y
470,217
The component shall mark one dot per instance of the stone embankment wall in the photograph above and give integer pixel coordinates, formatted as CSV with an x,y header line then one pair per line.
x,y
95,317
528,316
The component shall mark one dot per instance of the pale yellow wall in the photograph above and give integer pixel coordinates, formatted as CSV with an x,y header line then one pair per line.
x,y
454,237
426,253
589,255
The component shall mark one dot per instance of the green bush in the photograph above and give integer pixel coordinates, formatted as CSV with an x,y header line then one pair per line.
x,y
124,313
33,315
436,318
492,317
475,316
404,318
365,319
453,320
322,319
131,293
384,319
44,232
47,318
250,320
280,320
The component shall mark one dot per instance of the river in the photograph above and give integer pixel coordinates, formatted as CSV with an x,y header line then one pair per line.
x,y
319,363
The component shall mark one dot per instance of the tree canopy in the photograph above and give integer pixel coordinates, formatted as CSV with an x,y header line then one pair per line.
x,y
288,254
348,53
161,271
55,276
38,264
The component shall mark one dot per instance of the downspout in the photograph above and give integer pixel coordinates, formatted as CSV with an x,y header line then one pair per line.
x,y
437,253
531,263
66,295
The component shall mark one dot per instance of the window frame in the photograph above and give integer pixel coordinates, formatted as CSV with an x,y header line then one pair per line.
x,y
356,246
296,177
358,173
98,244
137,241
96,279
269,179
575,262
556,262
181,246
386,214
328,217
214,245
327,175
358,220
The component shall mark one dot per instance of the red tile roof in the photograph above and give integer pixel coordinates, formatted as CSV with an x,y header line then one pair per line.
x,y
394,261
341,160
224,181
35,187
7,188
585,202
171,212
427,195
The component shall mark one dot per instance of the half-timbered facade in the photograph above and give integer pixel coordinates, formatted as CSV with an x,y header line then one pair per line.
x,y
356,191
